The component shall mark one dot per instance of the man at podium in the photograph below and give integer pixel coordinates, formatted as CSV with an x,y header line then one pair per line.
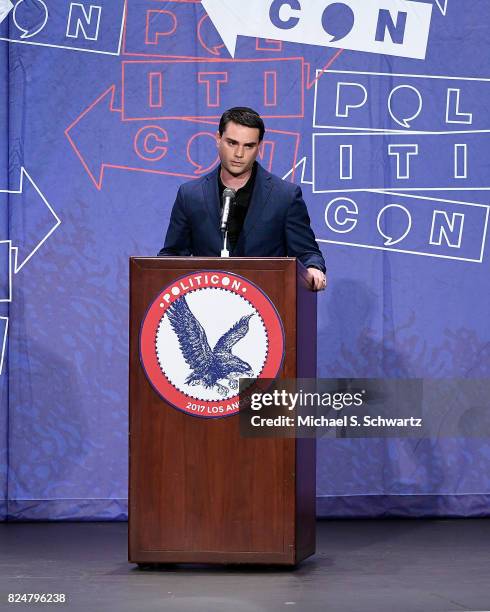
x,y
265,216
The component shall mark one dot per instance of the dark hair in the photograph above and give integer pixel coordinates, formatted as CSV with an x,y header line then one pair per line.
x,y
243,116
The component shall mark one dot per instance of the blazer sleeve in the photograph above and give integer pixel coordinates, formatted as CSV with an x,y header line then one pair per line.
x,y
178,241
300,239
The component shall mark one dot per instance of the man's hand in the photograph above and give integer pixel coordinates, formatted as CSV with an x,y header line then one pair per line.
x,y
317,279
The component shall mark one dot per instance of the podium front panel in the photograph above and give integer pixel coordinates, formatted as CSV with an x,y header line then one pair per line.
x,y
199,491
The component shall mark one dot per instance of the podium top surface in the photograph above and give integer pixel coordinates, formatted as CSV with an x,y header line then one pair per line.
x,y
214,262
211,259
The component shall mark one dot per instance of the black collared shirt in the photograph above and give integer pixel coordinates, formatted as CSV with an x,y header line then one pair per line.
x,y
239,209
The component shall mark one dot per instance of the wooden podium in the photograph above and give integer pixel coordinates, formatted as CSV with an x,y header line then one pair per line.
x,y
199,492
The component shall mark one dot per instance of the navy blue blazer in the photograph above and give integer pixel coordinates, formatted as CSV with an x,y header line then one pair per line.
x,y
276,225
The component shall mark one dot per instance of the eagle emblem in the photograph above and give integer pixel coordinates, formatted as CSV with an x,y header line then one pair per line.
x,y
212,368
193,357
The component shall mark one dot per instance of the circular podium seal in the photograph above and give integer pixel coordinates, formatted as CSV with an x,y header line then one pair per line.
x,y
204,332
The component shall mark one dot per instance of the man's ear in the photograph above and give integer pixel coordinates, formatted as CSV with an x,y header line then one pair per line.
x,y
218,138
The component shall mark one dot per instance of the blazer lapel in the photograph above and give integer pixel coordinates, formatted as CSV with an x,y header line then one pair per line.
x,y
260,197
211,197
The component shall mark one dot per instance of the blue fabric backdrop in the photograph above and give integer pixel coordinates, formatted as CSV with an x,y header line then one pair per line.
x,y
98,131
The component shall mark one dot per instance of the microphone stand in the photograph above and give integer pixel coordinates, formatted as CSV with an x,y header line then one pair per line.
x,y
224,251
228,198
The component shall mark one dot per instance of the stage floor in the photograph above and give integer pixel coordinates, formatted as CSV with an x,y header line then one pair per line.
x,y
365,566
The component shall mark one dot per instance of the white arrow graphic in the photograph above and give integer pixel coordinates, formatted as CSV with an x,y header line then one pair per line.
x,y
5,7
300,166
442,4
28,196
308,22
4,341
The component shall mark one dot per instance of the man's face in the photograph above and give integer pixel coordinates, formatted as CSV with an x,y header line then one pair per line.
x,y
238,148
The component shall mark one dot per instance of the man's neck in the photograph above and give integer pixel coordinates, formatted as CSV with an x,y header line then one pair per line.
x,y
234,182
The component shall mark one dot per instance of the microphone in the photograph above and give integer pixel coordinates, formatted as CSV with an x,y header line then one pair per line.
x,y
228,198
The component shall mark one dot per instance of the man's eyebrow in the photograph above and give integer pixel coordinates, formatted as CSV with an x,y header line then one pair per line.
x,y
247,144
